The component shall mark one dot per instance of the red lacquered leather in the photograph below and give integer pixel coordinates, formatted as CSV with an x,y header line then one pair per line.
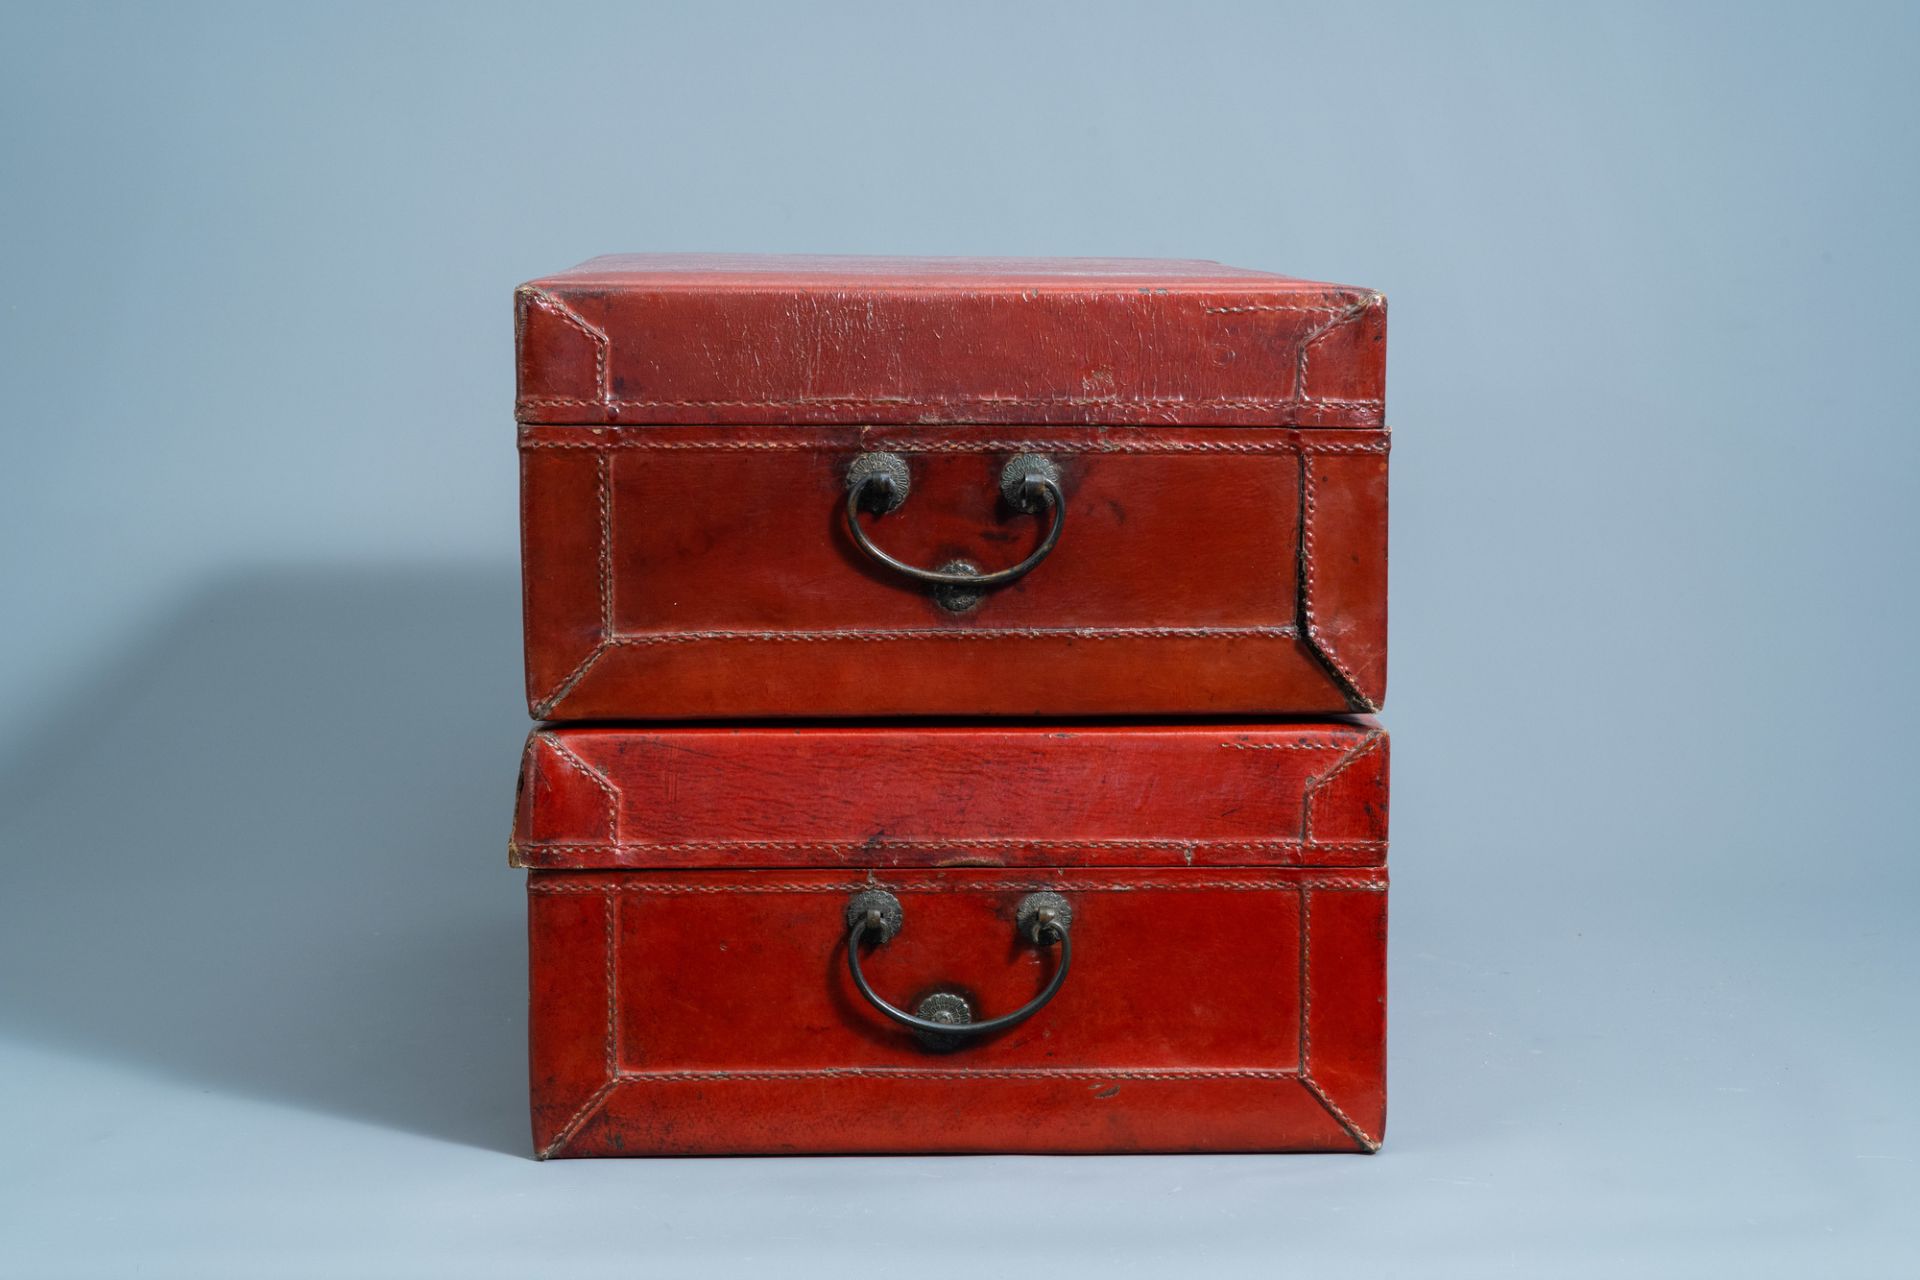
x,y
707,572
1205,1011
1218,434
693,338
1229,795
709,1010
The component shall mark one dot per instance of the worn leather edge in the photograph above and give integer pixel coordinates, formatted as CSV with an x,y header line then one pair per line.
x,y
550,705
1169,439
1374,740
1358,698
542,395
524,849
529,298
1365,1142
1310,413
614,880
578,1139
543,704
1165,855
526,795
1368,1142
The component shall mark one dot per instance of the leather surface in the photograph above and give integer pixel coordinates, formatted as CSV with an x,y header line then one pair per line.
x,y
730,339
687,425
710,1012
1183,795
689,990
707,572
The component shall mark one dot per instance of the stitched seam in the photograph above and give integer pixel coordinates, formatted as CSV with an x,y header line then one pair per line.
x,y
1306,989
1120,402
1342,884
523,805
599,1097
1285,746
604,483
612,907
1347,315
1315,786
1345,1121
603,495
580,1117
979,1073
1321,310
900,856
544,708
1148,447
602,344
526,560
1315,636
1354,1131
592,775
633,640
961,842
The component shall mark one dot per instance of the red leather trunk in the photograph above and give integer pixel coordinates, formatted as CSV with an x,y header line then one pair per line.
x,y
693,428
688,909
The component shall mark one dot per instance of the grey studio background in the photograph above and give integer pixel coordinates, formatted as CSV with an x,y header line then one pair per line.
x,y
1652,272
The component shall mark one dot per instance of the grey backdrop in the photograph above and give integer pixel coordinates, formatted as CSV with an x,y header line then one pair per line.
x,y
1653,333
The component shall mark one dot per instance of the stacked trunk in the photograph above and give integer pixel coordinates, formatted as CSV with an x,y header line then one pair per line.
x,y
979,656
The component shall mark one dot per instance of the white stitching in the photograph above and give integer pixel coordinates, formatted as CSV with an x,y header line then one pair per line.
x,y
891,844
604,483
545,707
592,775
1315,785
984,633
1005,402
580,1117
1354,1131
626,883
975,1073
1286,746
1315,634
957,842
1323,309
602,345
1306,980
612,907
724,444
1174,1075
1351,312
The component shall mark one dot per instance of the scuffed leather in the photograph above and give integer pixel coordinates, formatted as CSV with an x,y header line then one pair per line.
x,y
689,989
686,427
1221,795
687,424
702,1013
744,339
706,572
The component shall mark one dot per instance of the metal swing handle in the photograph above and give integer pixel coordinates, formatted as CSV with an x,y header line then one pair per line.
x,y
944,1018
879,482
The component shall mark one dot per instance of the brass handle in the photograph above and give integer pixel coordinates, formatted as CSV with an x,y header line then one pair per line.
x,y
944,1018
879,482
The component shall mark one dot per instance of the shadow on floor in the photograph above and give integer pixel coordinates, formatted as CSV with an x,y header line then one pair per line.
x,y
266,852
